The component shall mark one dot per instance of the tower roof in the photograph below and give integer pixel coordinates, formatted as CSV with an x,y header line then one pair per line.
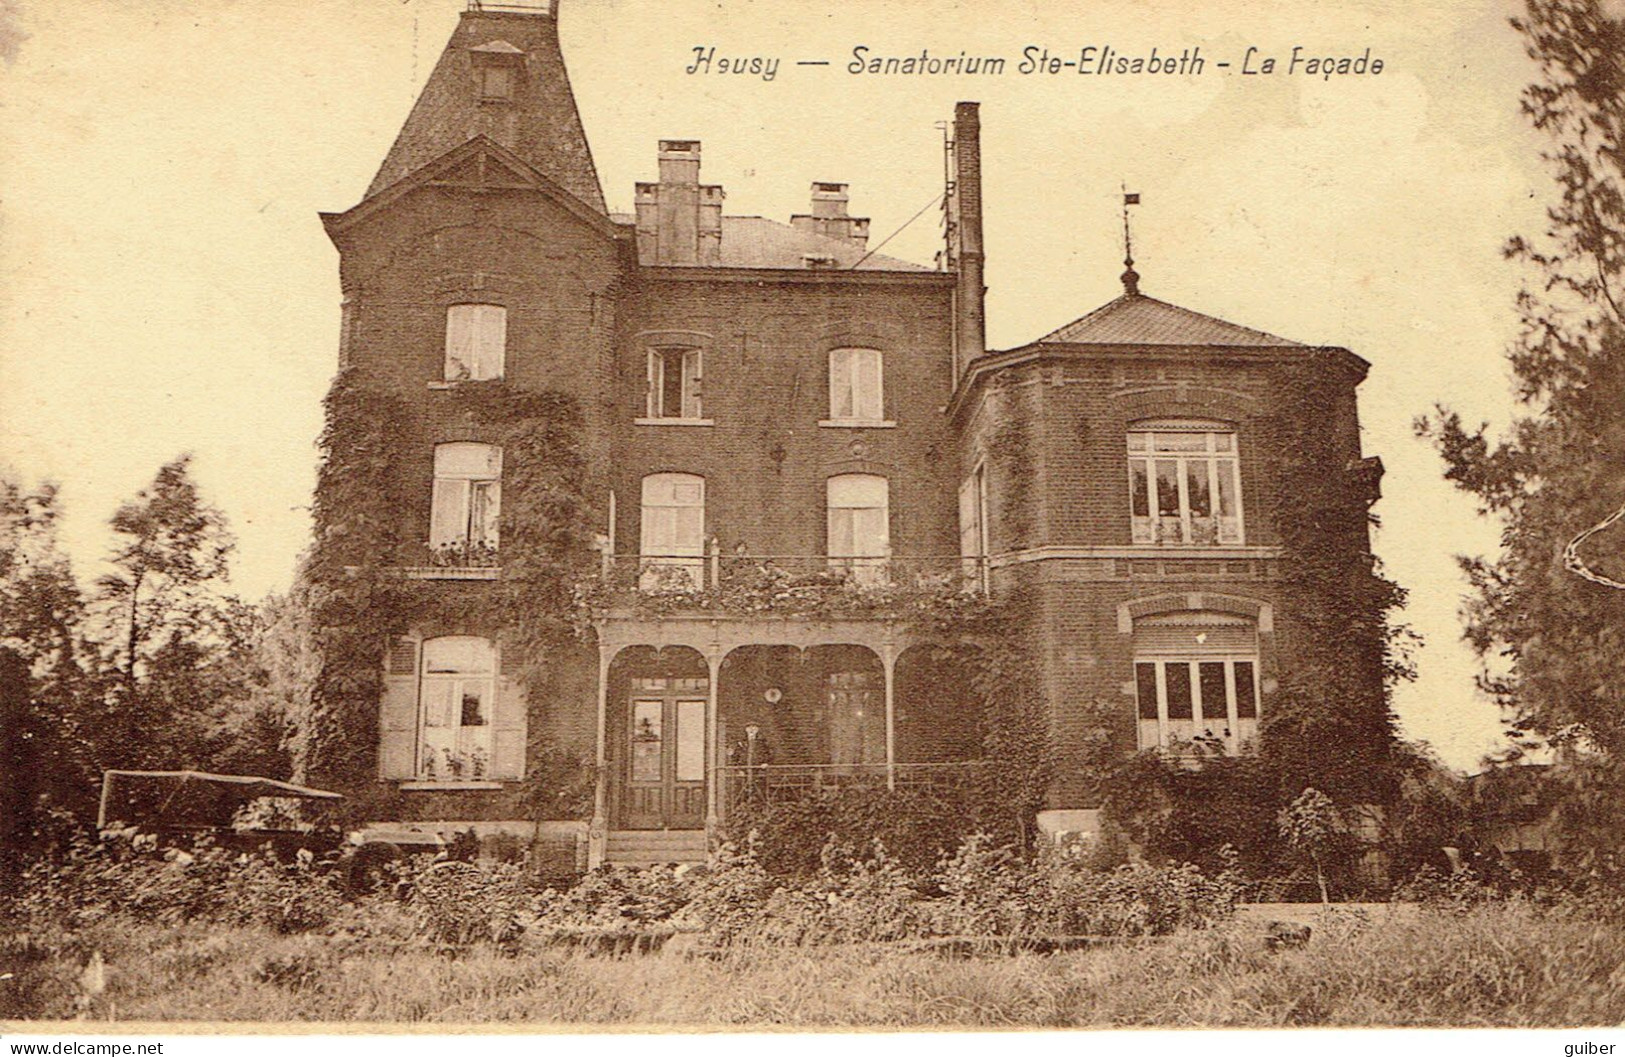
x,y
527,106
1135,319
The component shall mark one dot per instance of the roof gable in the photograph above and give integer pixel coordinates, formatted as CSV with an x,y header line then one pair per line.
x,y
1135,319
481,164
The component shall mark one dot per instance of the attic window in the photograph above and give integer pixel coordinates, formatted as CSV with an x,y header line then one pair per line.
x,y
818,260
496,82
496,70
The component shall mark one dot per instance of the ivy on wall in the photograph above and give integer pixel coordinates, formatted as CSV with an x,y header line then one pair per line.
x,y
359,601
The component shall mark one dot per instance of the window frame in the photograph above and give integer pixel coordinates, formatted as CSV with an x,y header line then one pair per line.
x,y
678,570
456,487
1238,731
480,344
691,386
1220,455
864,566
481,754
865,408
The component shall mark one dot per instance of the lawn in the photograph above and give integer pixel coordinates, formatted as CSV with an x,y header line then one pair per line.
x,y
1505,964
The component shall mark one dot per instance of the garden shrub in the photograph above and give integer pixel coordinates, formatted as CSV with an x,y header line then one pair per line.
x,y
459,903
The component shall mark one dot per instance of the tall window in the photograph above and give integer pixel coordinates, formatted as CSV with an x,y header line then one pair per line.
x,y
973,528
458,708
467,501
1184,483
855,385
674,383
1197,681
673,532
476,342
859,528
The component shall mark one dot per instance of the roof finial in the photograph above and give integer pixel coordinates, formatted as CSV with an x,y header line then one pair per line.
x,y
1131,278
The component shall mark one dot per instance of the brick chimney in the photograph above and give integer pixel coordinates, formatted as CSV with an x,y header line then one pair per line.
x,y
829,217
963,206
679,219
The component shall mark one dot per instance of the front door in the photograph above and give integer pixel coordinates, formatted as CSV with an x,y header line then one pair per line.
x,y
665,756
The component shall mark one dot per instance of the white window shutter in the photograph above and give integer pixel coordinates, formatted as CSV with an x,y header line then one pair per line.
x,y
867,379
510,733
492,343
398,712
691,390
459,342
970,529
840,384
448,518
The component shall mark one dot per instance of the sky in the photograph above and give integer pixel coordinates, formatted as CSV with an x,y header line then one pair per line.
x,y
165,285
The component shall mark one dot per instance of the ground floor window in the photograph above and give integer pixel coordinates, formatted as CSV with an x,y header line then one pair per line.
x,y
458,705
1186,702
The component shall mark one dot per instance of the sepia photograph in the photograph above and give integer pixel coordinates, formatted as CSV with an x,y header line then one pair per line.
x,y
660,516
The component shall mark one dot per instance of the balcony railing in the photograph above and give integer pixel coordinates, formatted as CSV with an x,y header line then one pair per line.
x,y
779,783
452,561
786,583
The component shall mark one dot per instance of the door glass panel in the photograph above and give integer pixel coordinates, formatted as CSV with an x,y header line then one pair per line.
x,y
690,741
646,741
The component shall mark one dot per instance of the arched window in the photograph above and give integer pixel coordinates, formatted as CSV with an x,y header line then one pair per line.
x,y
467,502
855,386
1196,681
476,342
457,708
859,525
672,540
1185,483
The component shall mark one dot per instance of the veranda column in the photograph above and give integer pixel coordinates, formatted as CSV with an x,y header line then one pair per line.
x,y
713,660
888,661
598,829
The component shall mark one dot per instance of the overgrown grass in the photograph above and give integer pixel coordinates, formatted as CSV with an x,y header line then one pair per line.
x,y
1506,964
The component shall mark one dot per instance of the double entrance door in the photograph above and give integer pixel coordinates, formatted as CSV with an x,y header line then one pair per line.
x,y
664,786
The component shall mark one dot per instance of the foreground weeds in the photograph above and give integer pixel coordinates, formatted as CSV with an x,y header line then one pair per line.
x,y
1508,964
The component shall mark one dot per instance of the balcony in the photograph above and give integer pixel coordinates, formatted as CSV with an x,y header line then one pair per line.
x,y
780,584
452,561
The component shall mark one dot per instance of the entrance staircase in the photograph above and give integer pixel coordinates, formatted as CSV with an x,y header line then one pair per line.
x,y
654,847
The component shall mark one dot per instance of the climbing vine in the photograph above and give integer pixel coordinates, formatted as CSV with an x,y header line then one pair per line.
x,y
359,599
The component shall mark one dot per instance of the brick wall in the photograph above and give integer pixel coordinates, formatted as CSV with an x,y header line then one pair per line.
x,y
766,388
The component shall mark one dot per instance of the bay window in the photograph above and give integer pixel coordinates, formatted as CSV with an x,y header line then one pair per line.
x,y
1184,483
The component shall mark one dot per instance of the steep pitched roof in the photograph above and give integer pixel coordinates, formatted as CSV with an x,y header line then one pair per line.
x,y
1135,319
757,242
540,123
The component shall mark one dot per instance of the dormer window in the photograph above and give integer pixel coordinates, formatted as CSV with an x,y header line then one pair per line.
x,y
496,83
496,70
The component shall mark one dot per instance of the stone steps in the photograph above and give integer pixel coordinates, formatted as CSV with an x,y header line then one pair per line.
x,y
650,847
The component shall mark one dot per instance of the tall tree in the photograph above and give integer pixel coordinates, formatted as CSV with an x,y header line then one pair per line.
x,y
175,642
172,551
1559,638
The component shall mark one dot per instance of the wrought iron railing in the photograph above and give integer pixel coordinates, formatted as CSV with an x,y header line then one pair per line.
x,y
769,582
778,783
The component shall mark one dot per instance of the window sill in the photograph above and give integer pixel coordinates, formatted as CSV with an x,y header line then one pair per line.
x,y
673,422
434,785
436,572
438,386
857,423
